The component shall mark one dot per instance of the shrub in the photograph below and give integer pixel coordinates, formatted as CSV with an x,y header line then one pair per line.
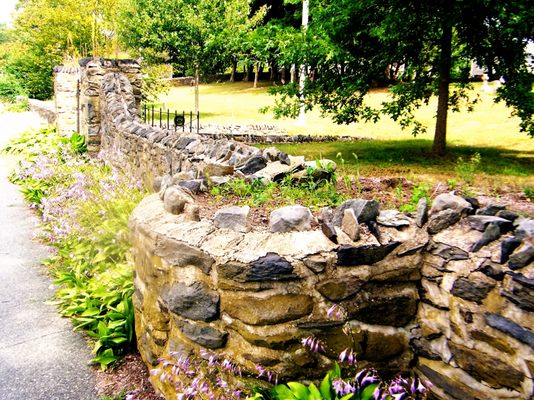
x,y
10,88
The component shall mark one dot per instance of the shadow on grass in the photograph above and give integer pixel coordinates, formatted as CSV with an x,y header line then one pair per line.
x,y
415,155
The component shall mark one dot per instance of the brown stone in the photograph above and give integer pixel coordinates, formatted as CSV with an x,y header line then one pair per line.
x,y
340,288
382,346
268,310
384,304
492,340
485,367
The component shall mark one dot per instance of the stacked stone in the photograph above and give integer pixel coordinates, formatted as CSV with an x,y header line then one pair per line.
x,y
475,338
66,80
91,112
255,294
46,110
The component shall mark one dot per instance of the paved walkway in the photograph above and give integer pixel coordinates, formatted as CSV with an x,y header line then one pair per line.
x,y
40,357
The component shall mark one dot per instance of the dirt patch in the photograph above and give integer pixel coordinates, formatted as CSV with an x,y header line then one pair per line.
x,y
391,192
129,376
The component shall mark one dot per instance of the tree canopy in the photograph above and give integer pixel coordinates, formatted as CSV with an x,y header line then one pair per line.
x,y
420,48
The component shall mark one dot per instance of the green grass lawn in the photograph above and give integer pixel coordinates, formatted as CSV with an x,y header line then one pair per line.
x,y
507,155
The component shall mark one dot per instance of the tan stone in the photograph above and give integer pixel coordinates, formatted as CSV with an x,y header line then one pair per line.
x,y
266,310
433,321
384,345
494,339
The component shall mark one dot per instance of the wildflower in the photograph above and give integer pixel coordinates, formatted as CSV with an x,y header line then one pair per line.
x,y
313,344
341,387
347,355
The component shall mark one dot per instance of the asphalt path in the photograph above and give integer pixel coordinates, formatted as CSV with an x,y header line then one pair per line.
x,y
41,358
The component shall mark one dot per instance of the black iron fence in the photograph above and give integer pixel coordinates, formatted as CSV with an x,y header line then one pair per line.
x,y
168,119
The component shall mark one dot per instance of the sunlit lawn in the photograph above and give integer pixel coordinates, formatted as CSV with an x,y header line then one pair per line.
x,y
507,154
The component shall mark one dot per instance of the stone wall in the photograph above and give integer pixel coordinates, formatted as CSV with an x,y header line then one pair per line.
x,y
452,298
44,109
447,291
66,98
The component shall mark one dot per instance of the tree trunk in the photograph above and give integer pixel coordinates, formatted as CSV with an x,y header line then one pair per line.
x,y
234,69
248,73
272,77
284,75
293,73
440,134
257,75
197,82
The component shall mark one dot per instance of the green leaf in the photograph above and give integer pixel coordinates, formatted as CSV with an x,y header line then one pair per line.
x,y
315,394
367,393
325,387
300,391
282,392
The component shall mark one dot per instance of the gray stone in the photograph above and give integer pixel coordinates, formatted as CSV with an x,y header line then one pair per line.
x,y
218,180
510,328
375,230
421,211
271,153
316,263
363,255
194,301
442,220
507,214
492,210
392,218
492,233
525,228
327,227
234,218
365,210
448,201
271,267
492,270
449,253
350,225
194,185
480,222
164,183
253,164
508,246
320,169
156,184
473,201
284,158
178,254
204,335
290,218
471,289
175,199
523,256
520,291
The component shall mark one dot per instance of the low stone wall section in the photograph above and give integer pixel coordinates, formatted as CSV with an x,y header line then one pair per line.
x,y
45,109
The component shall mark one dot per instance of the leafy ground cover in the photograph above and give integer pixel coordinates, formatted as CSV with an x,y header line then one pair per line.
x,y
84,208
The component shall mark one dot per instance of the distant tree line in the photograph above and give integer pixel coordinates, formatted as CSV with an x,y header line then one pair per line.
x,y
418,48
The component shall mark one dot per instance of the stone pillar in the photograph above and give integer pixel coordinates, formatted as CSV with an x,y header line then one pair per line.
x,y
92,71
66,79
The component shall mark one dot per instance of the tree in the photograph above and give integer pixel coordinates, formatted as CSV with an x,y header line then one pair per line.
x,y
193,35
349,45
45,32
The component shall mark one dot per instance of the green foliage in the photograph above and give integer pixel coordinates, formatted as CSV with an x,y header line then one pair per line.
x,y
351,46
529,192
84,207
466,169
78,143
10,88
419,191
308,191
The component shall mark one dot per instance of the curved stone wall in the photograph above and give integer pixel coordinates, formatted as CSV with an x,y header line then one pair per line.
x,y
448,291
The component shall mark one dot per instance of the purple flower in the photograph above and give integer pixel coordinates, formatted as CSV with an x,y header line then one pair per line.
x,y
347,355
313,344
341,387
